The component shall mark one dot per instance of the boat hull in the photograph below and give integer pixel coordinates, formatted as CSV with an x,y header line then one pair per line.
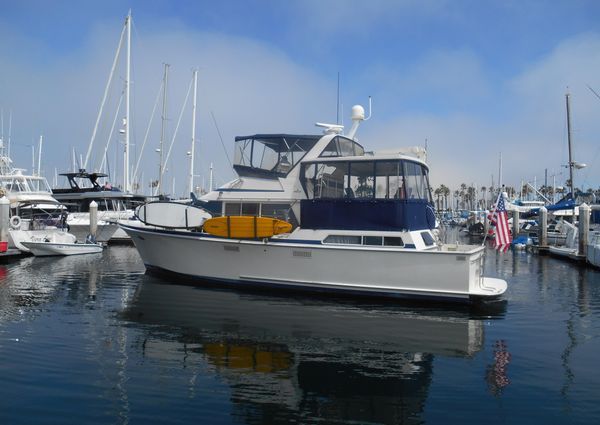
x,y
46,249
105,231
403,273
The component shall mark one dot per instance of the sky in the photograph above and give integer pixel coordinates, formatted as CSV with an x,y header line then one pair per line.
x,y
473,80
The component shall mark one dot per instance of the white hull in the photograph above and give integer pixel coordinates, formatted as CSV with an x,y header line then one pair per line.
x,y
381,271
561,251
79,225
17,237
593,249
44,249
593,255
105,231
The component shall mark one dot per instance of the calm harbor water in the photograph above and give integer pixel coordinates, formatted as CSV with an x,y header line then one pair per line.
x,y
94,340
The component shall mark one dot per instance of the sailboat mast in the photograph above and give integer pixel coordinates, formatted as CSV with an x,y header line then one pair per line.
x,y
500,172
39,169
191,190
9,132
162,129
105,96
126,183
571,184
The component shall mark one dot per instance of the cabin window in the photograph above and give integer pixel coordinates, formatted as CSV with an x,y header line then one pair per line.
x,y
393,241
246,208
243,152
264,155
279,211
392,179
415,176
341,146
343,239
362,180
372,240
250,209
233,209
310,179
389,180
427,238
18,185
330,180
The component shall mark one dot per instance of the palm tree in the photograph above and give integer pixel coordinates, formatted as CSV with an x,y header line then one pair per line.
x,y
483,189
491,191
438,192
510,191
471,196
445,193
525,190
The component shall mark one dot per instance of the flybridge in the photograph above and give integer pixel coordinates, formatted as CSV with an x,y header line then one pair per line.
x,y
270,155
275,155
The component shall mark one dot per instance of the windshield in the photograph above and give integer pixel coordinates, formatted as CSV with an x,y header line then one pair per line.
x,y
24,184
386,179
341,146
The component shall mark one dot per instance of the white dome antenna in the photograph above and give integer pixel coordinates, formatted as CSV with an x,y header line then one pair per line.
x,y
358,115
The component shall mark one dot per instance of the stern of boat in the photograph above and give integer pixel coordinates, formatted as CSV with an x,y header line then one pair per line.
x,y
481,287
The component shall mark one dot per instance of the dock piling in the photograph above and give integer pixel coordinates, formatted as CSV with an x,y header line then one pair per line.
x,y
515,228
93,219
584,228
4,218
543,228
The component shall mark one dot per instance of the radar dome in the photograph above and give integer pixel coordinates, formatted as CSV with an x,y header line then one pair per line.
x,y
358,113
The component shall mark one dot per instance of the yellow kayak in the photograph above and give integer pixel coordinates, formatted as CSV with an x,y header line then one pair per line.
x,y
246,227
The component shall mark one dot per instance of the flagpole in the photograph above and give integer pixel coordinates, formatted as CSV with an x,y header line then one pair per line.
x,y
487,218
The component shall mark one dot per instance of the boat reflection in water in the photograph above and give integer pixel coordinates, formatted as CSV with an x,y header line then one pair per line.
x,y
290,358
36,281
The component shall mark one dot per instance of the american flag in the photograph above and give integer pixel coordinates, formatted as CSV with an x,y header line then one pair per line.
x,y
499,220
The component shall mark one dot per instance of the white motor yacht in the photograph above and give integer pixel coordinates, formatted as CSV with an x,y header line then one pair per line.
x,y
113,205
363,224
35,213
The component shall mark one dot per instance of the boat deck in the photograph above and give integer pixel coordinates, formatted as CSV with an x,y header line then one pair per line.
x,y
459,248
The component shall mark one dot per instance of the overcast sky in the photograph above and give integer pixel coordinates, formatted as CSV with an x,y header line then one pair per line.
x,y
473,78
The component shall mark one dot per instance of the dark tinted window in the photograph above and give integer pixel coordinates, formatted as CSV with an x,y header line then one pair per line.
x,y
427,238
372,240
343,239
393,241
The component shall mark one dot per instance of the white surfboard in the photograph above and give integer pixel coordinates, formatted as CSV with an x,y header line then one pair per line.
x,y
173,215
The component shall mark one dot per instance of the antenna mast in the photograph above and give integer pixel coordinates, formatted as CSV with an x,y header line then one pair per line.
x,y
193,131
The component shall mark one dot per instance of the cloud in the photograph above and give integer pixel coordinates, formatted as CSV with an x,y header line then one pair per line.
x,y
440,80
452,97
523,117
250,88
